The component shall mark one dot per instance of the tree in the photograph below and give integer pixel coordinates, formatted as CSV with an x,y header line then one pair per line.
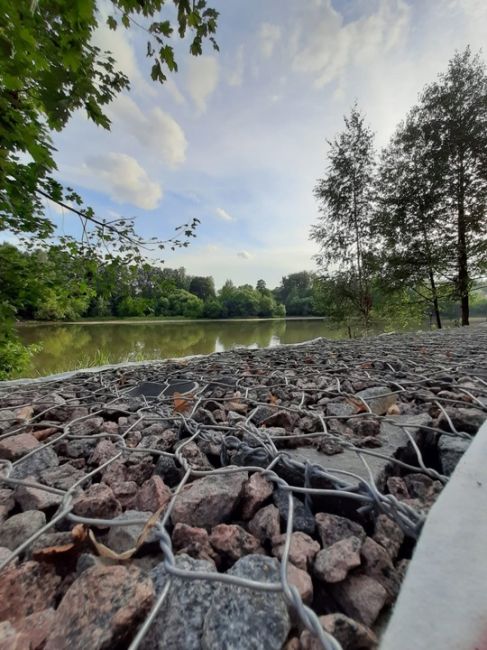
x,y
455,109
410,214
202,287
345,195
50,68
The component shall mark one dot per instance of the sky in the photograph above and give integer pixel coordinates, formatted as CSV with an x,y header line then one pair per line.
x,y
238,138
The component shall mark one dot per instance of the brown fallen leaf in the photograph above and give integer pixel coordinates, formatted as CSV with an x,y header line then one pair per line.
x,y
366,364
79,535
394,410
42,434
360,407
105,551
182,403
273,399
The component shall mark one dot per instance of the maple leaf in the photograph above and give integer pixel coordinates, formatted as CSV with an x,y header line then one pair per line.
x,y
182,403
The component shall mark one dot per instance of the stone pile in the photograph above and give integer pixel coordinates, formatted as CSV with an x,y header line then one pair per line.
x,y
172,480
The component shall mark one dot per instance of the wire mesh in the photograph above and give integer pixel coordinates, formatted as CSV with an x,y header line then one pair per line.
x,y
424,372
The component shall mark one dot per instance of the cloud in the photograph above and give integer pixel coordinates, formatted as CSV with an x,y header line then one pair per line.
x,y
153,129
202,79
223,214
325,46
245,255
123,178
235,77
269,36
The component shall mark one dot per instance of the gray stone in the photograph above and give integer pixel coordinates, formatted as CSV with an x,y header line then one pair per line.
x,y
333,528
246,619
303,519
361,597
62,478
332,564
451,449
33,465
179,622
18,528
467,420
123,538
167,469
209,501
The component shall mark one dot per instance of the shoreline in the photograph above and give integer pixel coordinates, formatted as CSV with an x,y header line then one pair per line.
x,y
142,321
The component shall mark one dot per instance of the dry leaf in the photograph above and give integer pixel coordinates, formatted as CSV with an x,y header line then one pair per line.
x,y
360,407
394,410
273,399
104,551
366,364
182,404
42,434
79,535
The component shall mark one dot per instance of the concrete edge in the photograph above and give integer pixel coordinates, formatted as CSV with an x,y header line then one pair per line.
x,y
442,602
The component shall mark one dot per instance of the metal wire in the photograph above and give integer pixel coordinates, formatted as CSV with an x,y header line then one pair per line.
x,y
296,380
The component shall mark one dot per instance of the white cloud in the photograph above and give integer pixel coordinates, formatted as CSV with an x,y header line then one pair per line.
x,y
235,77
202,79
123,178
224,215
326,46
245,255
153,129
269,36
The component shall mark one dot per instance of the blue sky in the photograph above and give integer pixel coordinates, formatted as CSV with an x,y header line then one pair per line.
x,y
238,138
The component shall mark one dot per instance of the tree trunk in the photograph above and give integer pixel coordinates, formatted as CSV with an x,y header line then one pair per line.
x,y
463,279
434,293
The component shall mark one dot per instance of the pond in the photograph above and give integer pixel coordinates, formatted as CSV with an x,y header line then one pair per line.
x,y
80,345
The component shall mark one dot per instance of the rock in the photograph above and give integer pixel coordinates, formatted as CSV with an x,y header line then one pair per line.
x,y
349,633
377,400
14,447
361,597
5,553
365,427
126,493
30,498
423,487
18,528
10,639
333,563
209,501
179,622
389,535
167,469
340,409
141,471
97,502
333,528
193,541
101,609
7,502
42,459
244,618
62,478
25,589
36,627
303,519
302,549
123,538
116,472
195,458
87,427
153,495
377,564
266,523
302,581
7,419
398,488
104,451
450,450
256,490
466,420
233,542
285,419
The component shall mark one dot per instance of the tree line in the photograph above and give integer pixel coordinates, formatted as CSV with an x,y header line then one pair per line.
x,y
55,284
410,222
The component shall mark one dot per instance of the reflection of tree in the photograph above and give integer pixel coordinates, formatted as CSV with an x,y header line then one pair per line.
x,y
66,347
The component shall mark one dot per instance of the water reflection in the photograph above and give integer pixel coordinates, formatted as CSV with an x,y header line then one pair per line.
x,y
65,347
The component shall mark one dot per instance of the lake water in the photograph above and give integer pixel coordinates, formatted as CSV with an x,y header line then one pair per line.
x,y
71,346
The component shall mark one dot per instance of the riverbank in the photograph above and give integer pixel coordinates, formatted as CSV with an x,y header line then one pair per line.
x,y
311,466
163,319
